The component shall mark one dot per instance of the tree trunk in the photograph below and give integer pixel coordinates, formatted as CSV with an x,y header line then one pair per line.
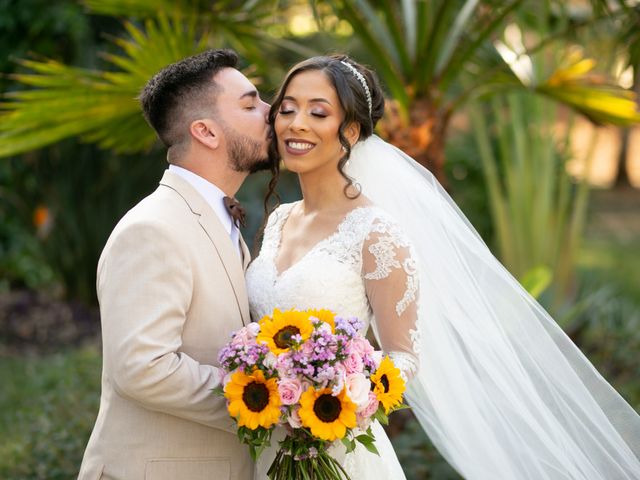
x,y
622,177
423,138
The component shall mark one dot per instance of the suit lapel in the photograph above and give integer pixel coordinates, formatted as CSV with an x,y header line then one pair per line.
x,y
219,237
246,254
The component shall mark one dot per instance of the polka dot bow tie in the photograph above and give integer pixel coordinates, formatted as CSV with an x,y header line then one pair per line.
x,y
236,211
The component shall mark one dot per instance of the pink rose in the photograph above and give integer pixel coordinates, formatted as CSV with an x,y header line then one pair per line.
x,y
284,365
290,390
353,363
371,407
358,388
307,349
361,346
243,337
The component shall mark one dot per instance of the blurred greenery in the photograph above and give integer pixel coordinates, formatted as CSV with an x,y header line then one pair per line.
x,y
60,199
49,405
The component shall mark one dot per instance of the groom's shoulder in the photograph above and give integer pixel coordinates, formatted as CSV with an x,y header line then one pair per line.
x,y
163,210
163,204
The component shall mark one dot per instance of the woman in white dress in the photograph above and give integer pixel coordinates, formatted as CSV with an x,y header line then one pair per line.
x,y
498,387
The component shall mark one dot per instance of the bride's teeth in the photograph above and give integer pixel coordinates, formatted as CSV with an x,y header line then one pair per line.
x,y
301,146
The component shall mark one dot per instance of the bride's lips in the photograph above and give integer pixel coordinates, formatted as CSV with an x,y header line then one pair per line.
x,y
296,146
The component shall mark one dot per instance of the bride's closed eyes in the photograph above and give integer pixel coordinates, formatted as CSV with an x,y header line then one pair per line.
x,y
290,106
319,114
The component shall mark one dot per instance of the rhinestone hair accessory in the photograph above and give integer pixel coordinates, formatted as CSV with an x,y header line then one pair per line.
x,y
362,80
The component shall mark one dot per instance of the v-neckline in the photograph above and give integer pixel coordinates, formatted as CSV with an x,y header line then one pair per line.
x,y
278,239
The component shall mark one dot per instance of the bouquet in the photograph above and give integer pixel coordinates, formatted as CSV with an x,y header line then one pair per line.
x,y
315,375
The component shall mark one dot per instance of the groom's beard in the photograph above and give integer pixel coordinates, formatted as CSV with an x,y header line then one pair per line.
x,y
246,154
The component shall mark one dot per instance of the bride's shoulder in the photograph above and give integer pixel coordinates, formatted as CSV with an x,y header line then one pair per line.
x,y
280,213
382,224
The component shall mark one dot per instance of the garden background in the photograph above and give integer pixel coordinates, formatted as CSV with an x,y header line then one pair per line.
x,y
524,109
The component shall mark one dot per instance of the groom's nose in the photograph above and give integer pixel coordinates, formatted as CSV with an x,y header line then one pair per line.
x,y
265,110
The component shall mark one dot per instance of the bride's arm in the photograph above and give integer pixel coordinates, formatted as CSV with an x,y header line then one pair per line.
x,y
391,282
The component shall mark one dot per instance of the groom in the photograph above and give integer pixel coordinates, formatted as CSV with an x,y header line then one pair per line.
x,y
171,285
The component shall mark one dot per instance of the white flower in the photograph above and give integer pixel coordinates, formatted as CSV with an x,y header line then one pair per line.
x,y
254,328
270,360
358,387
324,328
294,419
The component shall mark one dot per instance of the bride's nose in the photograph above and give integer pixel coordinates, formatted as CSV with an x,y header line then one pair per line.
x,y
298,123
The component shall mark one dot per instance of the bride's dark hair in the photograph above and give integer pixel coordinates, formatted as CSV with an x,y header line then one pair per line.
x,y
353,100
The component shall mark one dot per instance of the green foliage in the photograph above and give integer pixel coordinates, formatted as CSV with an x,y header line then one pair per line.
x,y
607,329
22,260
418,456
48,405
537,215
59,30
87,192
467,183
99,106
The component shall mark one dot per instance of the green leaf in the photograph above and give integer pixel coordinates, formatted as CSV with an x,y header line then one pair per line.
x,y
349,444
368,443
536,280
381,416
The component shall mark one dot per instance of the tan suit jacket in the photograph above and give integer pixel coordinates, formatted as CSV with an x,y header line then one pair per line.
x,y
171,290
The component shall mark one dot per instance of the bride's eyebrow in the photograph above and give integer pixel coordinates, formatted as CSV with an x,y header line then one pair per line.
x,y
312,100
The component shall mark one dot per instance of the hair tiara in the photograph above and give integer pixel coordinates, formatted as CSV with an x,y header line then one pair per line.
x,y
362,80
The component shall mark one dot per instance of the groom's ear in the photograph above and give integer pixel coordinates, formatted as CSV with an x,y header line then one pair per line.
x,y
352,132
206,131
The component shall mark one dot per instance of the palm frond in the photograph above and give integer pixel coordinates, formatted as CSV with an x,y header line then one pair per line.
x,y
143,8
603,102
98,106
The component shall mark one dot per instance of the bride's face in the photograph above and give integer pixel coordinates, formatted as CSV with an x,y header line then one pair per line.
x,y
307,124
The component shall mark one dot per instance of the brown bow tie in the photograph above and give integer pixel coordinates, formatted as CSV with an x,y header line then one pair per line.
x,y
236,211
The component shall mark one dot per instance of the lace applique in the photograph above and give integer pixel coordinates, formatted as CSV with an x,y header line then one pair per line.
x,y
390,239
385,258
410,268
406,363
416,336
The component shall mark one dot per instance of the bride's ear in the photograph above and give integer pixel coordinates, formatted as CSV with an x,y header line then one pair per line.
x,y
206,132
352,132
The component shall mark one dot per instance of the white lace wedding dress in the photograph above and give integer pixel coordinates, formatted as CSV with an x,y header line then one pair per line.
x,y
364,269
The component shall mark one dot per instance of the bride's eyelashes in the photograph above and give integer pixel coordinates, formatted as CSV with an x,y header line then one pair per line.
x,y
315,114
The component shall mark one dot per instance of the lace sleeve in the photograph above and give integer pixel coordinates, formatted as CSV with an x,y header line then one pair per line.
x,y
391,283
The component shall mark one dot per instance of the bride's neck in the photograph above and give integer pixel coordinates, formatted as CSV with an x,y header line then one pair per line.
x,y
323,193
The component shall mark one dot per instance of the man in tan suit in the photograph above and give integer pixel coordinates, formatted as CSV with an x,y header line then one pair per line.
x,y
171,284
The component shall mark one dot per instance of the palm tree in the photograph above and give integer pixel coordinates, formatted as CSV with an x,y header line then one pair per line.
x,y
423,49
100,106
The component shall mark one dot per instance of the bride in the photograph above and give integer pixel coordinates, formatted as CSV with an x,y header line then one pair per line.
x,y
498,387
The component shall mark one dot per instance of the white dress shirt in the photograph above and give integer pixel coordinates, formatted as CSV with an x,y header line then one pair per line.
x,y
214,197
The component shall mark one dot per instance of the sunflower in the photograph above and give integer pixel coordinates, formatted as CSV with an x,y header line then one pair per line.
x,y
324,315
388,385
276,331
253,400
326,415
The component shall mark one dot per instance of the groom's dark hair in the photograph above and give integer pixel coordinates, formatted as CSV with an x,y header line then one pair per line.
x,y
183,92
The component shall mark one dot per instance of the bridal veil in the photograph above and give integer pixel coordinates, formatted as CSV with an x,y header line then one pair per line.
x,y
501,390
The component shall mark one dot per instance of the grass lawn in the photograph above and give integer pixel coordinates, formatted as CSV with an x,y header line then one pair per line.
x,y
48,406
